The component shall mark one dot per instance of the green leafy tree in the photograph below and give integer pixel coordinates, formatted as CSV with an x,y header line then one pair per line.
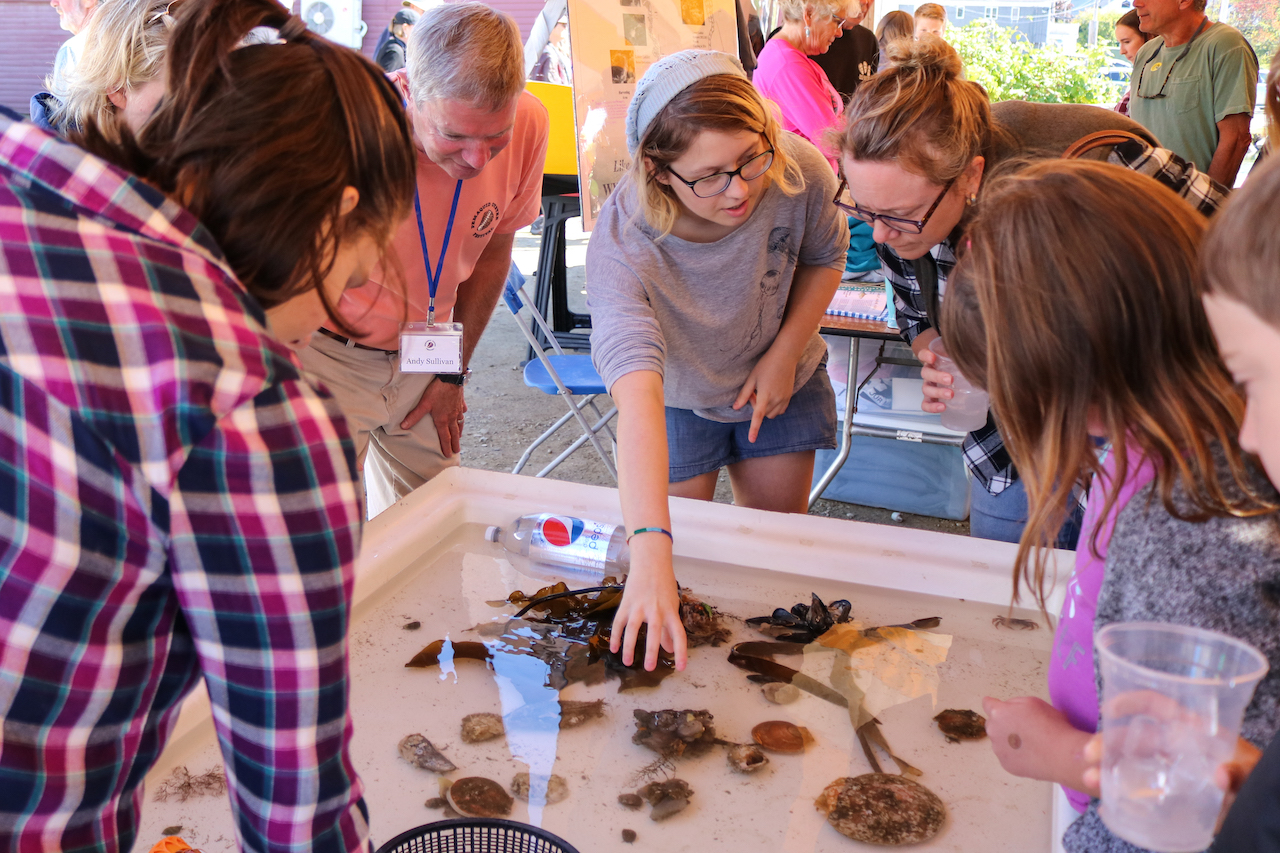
x,y
1257,20
1106,30
1011,68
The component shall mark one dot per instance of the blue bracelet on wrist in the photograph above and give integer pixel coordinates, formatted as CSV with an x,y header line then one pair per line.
x,y
663,531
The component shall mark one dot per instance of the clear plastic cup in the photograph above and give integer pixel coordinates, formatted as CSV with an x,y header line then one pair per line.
x,y
967,410
1173,699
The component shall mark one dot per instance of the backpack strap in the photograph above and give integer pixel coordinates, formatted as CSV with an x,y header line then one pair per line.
x,y
1098,139
926,270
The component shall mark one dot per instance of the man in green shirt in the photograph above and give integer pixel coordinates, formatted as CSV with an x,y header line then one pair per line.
x,y
1193,85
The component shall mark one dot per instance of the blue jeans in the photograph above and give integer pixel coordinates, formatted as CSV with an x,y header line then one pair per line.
x,y
1002,517
697,446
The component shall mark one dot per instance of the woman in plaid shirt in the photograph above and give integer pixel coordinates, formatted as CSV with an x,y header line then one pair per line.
x,y
917,142
177,502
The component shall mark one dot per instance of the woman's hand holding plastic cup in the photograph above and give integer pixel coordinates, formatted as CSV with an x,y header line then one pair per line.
x,y
937,385
964,407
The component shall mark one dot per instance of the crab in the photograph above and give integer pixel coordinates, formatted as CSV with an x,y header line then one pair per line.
x,y
1014,623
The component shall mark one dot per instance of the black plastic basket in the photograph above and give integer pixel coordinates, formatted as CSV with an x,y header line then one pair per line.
x,y
477,835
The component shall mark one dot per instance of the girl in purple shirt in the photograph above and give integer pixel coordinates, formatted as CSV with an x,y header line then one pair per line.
x,y
1110,345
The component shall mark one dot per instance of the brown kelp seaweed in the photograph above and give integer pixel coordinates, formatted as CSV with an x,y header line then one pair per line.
x,y
569,630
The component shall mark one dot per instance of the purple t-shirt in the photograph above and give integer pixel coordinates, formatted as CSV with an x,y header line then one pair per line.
x,y
1071,679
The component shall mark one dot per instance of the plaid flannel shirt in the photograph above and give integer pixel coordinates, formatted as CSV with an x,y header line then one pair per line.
x,y
984,450
175,502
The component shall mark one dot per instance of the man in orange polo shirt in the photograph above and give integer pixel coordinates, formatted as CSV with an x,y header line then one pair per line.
x,y
481,144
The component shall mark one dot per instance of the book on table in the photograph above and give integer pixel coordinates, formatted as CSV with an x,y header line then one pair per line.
x,y
859,303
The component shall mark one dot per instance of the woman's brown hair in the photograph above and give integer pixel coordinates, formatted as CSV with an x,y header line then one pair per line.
x,y
893,26
259,142
920,112
1130,19
1075,305
722,102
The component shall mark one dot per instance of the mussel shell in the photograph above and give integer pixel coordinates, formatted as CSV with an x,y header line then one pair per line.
x,y
476,796
818,615
781,736
840,610
785,617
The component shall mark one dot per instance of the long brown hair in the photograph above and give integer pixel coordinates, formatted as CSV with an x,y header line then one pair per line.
x,y
1075,299
259,142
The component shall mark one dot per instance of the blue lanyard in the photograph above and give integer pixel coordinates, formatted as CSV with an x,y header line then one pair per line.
x,y
433,281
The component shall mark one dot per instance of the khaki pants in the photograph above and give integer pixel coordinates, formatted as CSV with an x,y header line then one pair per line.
x,y
375,396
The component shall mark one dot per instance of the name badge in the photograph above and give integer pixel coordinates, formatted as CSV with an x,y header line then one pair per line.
x,y
428,348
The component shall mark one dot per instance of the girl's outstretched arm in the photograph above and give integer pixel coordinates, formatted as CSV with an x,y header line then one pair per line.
x,y
651,597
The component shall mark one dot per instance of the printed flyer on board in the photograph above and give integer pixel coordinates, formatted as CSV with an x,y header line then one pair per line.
x,y
613,43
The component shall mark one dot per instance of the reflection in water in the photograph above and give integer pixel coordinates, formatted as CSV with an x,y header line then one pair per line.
x,y
531,713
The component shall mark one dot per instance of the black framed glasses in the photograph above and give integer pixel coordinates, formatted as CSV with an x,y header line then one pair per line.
x,y
845,202
1137,90
719,182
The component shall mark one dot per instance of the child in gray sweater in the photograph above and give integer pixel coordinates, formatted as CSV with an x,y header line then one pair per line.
x,y
1241,262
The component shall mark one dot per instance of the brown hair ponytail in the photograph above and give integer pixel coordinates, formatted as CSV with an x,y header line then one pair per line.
x,y
258,142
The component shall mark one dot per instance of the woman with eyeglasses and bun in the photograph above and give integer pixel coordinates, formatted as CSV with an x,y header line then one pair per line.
x,y
711,265
917,141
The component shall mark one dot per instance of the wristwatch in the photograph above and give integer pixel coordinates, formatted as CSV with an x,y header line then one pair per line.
x,y
458,379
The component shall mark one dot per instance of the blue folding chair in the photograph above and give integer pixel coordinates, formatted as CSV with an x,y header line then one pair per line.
x,y
571,376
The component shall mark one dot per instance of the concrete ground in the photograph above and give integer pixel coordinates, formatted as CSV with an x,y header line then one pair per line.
x,y
504,416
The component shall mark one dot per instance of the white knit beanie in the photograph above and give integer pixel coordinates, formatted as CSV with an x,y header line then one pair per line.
x,y
668,77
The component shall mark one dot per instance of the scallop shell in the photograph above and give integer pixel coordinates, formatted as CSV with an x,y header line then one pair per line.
x,y
879,808
476,796
781,736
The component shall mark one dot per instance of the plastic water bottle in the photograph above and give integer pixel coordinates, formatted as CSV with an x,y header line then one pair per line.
x,y
577,548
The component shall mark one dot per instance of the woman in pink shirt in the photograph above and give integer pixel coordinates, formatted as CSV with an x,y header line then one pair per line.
x,y
785,74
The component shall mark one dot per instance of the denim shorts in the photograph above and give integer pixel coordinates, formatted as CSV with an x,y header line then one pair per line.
x,y
697,446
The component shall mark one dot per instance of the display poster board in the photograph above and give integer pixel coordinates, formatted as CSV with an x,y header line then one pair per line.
x,y
613,42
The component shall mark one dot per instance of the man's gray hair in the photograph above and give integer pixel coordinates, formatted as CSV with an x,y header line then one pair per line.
x,y
467,52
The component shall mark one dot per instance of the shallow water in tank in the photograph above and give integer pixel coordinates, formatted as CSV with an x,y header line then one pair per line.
x,y
450,591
